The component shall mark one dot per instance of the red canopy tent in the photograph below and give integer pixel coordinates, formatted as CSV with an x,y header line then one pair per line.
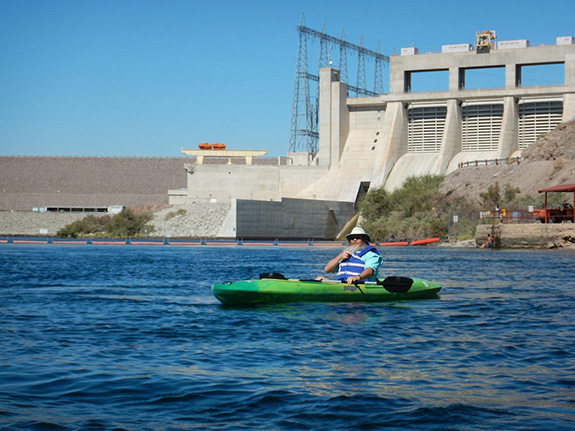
x,y
562,188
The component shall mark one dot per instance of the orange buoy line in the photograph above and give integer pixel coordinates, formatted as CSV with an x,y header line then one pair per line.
x,y
228,243
147,243
184,243
68,242
391,244
31,241
425,241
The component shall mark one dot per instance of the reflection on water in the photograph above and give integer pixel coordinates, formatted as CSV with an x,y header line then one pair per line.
x,y
132,338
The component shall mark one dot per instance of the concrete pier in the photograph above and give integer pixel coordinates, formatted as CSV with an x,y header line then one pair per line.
x,y
534,235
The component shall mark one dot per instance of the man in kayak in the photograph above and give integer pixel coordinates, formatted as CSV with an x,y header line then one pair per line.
x,y
356,263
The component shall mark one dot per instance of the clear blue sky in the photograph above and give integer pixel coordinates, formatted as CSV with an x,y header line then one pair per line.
x,y
141,78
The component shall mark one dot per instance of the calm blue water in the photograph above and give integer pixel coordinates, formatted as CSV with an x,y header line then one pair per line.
x,y
131,338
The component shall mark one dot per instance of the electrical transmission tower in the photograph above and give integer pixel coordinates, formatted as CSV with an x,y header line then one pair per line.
x,y
305,106
378,74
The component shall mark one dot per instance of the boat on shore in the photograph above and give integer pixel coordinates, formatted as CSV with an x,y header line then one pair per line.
x,y
275,288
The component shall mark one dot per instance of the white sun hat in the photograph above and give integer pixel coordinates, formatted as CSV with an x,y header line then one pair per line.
x,y
359,231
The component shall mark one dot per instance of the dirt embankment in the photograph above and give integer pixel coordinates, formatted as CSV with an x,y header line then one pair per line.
x,y
549,162
196,220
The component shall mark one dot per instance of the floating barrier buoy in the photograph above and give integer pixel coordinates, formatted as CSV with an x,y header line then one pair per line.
x,y
424,241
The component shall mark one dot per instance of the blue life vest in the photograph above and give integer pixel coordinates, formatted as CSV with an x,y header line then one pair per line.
x,y
354,265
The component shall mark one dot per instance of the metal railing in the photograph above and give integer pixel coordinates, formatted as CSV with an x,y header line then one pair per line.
x,y
505,216
486,162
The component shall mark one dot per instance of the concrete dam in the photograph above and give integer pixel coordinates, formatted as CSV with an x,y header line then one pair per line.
x,y
380,141
364,142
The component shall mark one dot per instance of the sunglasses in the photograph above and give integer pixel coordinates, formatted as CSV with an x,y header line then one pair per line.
x,y
352,237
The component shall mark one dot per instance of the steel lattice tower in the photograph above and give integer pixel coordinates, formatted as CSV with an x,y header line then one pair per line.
x,y
303,124
378,74
343,58
304,117
360,84
324,49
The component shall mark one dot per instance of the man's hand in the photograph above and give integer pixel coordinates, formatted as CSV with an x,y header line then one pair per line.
x,y
346,254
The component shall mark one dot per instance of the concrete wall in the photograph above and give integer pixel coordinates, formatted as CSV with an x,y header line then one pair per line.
x,y
334,121
511,59
536,235
29,182
222,183
291,219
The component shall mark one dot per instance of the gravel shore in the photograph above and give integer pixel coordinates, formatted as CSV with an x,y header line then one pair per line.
x,y
28,223
196,220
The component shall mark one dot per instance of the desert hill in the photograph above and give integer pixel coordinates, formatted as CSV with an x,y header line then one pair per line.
x,y
549,162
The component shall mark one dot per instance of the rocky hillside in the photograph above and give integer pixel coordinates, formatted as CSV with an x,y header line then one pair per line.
x,y
549,162
196,220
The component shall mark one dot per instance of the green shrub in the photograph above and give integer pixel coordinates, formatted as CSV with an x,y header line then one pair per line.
x,y
91,224
173,214
375,202
128,224
416,210
123,225
493,197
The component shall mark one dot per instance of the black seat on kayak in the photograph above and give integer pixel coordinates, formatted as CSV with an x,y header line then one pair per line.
x,y
274,275
396,284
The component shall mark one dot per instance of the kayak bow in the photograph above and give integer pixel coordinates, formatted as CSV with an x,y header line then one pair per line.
x,y
274,288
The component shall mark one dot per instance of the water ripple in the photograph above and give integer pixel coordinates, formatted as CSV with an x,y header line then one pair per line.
x,y
131,338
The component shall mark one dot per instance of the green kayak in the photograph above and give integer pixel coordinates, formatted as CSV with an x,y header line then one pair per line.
x,y
277,289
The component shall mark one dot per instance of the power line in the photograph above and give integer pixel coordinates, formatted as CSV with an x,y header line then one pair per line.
x,y
334,40
305,105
